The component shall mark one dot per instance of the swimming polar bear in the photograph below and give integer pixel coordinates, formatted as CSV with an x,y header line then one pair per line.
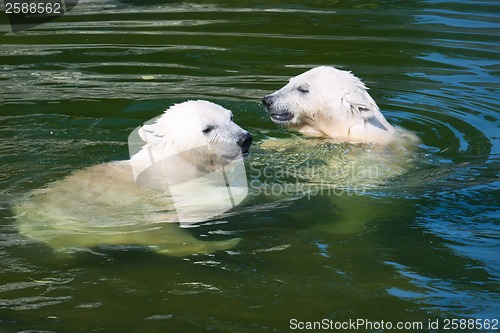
x,y
351,147
126,202
334,107
332,103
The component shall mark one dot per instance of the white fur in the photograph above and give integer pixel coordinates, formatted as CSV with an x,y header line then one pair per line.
x,y
104,204
328,102
177,136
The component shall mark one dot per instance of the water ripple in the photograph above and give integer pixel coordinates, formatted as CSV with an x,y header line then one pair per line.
x,y
71,90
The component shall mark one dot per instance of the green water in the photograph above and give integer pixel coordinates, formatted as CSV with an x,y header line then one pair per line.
x,y
424,247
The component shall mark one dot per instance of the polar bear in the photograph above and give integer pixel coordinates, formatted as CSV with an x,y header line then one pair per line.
x,y
126,202
349,147
332,103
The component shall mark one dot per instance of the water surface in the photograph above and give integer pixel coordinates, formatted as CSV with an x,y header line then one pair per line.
x,y
425,246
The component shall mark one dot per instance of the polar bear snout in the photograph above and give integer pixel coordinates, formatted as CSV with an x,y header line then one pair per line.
x,y
229,149
268,101
244,142
278,115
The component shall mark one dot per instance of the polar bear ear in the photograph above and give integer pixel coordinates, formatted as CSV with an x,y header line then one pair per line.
x,y
149,135
359,105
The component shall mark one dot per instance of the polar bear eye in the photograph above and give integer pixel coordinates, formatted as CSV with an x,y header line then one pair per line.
x,y
303,89
208,129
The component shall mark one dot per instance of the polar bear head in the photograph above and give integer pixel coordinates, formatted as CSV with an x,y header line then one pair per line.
x,y
325,101
194,135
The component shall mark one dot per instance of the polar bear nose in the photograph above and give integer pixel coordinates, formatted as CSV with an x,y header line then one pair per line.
x,y
245,141
267,101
